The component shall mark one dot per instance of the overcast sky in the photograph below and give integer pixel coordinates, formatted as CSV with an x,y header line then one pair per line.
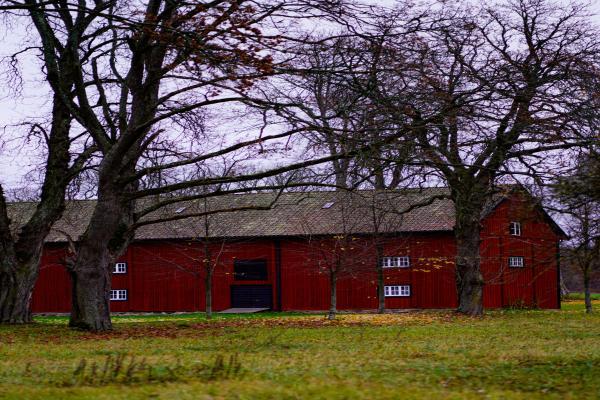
x,y
33,99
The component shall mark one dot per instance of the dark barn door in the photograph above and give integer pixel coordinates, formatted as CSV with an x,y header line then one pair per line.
x,y
251,296
250,270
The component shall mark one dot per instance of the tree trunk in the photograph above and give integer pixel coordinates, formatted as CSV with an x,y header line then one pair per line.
x,y
380,280
333,299
20,255
90,295
586,290
208,269
469,281
16,289
208,292
107,236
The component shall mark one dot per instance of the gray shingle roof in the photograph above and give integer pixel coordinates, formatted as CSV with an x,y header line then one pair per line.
x,y
294,213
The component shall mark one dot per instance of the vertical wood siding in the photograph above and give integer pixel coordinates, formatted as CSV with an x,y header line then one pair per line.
x,y
166,276
52,291
536,283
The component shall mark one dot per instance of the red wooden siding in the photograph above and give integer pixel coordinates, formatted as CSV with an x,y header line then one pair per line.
x,y
305,286
536,283
169,276
53,288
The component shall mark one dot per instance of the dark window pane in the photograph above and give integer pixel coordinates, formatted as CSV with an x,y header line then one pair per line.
x,y
250,270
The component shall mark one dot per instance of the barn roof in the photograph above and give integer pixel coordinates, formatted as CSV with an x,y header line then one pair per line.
x,y
285,214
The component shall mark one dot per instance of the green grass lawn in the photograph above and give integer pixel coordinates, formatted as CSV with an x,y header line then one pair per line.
x,y
506,354
581,296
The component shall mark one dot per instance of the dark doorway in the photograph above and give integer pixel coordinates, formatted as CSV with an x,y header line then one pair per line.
x,y
251,296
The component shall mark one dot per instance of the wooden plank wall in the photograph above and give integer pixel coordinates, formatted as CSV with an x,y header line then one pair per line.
x,y
168,275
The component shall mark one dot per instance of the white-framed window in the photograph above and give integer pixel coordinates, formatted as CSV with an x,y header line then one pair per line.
x,y
400,262
118,294
516,261
396,291
120,268
514,228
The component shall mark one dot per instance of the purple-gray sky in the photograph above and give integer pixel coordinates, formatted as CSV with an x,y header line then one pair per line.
x,y
33,98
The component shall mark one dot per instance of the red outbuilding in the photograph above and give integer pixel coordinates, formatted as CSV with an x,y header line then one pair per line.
x,y
283,255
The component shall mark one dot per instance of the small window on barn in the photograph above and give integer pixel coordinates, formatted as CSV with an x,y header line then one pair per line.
x,y
516,262
118,295
250,270
397,262
120,268
329,204
397,291
514,228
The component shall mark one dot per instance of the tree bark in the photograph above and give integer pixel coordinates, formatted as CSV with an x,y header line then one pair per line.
x,y
90,295
469,281
586,290
16,289
467,232
107,236
208,292
333,299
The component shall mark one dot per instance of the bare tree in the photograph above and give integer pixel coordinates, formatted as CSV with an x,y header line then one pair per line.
x,y
146,67
210,262
338,119
365,222
214,248
584,251
486,89
343,254
582,209
341,119
21,246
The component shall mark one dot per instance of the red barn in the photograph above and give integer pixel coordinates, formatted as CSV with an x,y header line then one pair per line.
x,y
284,257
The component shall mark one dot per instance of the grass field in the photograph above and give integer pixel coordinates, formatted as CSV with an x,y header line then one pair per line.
x,y
506,354
581,296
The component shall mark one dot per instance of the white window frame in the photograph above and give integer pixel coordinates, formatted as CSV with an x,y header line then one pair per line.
x,y
395,262
514,228
516,261
396,291
118,295
120,268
